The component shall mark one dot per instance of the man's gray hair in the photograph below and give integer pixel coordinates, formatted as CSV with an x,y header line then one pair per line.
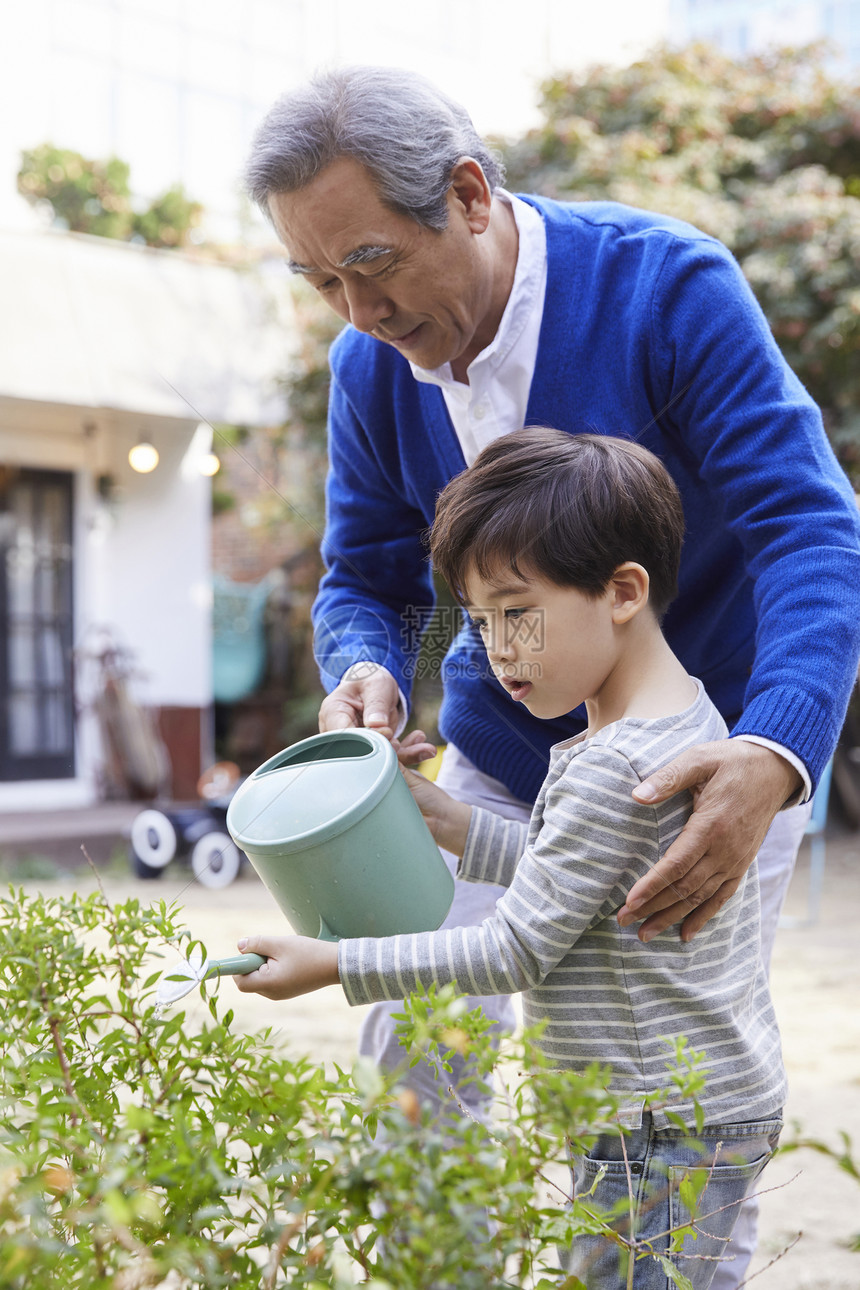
x,y
405,131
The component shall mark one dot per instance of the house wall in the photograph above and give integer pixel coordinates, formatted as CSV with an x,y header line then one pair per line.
x,y
142,570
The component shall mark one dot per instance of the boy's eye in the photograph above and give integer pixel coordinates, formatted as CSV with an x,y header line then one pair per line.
x,y
515,613
480,623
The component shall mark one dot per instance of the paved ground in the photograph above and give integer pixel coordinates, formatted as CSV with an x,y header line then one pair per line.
x,y
816,981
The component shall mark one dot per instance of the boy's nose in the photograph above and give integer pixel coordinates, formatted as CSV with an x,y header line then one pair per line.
x,y
500,646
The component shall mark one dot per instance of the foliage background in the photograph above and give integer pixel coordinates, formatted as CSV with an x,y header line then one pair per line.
x,y
86,196
763,153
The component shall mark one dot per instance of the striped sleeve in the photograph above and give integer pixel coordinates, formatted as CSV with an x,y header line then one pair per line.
x,y
593,842
493,848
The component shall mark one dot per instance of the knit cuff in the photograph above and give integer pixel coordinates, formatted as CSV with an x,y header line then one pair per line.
x,y
797,721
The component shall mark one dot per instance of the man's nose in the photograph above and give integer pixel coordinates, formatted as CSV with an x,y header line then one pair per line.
x,y
368,306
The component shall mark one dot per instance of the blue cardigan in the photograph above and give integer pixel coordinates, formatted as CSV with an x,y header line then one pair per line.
x,y
651,332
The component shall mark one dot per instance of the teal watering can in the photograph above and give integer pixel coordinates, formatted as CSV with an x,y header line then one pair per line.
x,y
335,835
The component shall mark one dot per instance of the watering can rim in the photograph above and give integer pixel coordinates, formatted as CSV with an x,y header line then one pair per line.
x,y
338,824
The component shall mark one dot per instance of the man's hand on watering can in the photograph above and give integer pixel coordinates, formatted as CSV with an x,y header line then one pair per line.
x,y
367,696
294,965
447,819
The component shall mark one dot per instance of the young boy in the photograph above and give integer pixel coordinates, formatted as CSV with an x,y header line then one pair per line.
x,y
564,551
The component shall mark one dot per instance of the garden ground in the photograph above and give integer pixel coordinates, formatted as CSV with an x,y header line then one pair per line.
x,y
816,982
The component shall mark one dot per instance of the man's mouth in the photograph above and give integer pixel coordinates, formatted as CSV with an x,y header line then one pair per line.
x,y
406,339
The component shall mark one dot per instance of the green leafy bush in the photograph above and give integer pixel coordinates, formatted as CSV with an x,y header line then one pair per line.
x,y
139,1151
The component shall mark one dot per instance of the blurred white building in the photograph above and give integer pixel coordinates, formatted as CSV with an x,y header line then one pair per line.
x,y
104,346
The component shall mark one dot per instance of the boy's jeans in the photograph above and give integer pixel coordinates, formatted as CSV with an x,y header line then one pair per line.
x,y
657,1162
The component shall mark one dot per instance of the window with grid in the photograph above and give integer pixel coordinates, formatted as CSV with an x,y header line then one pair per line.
x,y
36,681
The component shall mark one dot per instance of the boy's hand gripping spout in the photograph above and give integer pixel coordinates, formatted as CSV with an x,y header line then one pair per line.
x,y
295,965
737,788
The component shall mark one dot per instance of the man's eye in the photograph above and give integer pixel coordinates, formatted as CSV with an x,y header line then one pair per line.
x,y
328,285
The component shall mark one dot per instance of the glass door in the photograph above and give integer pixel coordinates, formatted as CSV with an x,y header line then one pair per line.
x,y
36,681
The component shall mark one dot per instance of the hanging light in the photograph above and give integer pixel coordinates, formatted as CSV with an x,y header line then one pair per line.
x,y
143,458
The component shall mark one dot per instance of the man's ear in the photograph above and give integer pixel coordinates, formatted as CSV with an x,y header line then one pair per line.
x,y
629,589
470,193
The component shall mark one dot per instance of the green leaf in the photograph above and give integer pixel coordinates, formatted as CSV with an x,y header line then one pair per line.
x,y
688,1194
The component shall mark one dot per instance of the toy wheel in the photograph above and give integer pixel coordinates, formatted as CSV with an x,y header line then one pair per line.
x,y
215,860
153,843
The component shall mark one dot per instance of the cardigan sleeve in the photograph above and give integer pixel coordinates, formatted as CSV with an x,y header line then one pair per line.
x,y
759,443
377,583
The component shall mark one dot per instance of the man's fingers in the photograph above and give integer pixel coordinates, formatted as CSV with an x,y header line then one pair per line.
x,y
338,720
337,713
695,921
691,770
370,700
380,706
674,878
692,912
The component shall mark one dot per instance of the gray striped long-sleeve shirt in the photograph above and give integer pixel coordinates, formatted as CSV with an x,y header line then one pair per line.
x,y
606,996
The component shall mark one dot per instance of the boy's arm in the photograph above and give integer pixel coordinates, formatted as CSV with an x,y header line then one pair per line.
x,y
488,845
593,843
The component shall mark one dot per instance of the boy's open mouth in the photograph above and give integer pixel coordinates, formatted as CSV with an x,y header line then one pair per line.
x,y
517,689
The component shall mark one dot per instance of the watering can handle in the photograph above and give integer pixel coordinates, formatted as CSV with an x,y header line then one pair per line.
x,y
241,965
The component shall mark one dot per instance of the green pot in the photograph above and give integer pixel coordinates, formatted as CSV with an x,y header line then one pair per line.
x,y
333,831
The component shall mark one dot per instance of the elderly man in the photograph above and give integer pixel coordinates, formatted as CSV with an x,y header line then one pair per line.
x,y
474,312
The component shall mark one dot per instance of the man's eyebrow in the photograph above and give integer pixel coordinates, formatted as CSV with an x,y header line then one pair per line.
x,y
361,255
364,255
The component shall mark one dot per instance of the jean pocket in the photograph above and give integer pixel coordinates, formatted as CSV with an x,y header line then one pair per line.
x,y
706,1199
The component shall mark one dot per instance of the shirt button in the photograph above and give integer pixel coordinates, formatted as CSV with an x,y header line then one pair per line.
x,y
480,412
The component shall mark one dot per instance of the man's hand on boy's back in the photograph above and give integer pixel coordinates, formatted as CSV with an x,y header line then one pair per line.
x,y
738,788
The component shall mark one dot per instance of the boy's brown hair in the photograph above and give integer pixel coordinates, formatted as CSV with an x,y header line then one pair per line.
x,y
568,508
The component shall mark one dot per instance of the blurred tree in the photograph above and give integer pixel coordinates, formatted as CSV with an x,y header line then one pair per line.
x,y
94,197
168,220
764,153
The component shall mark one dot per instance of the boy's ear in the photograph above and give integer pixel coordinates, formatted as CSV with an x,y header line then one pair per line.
x,y
629,589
